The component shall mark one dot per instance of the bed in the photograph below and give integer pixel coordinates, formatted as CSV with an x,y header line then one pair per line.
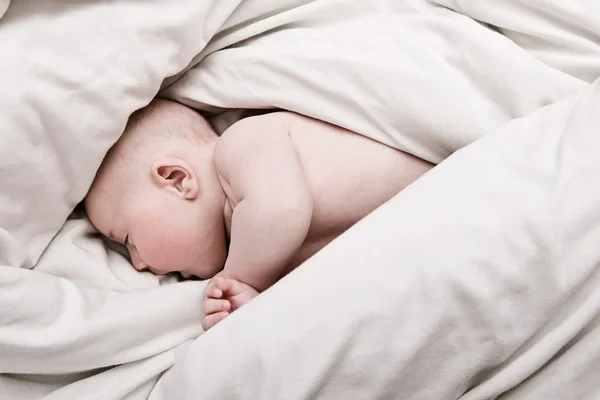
x,y
479,281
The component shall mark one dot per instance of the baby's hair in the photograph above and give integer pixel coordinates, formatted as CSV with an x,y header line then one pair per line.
x,y
164,119
159,126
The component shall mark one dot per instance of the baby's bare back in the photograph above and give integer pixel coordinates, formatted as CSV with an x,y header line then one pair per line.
x,y
349,175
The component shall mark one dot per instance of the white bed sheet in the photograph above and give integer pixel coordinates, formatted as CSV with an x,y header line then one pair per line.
x,y
413,75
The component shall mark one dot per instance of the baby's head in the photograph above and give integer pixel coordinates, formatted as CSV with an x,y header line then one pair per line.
x,y
158,193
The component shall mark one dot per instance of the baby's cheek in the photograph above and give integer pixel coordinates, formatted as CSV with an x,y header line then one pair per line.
x,y
155,249
174,254
166,242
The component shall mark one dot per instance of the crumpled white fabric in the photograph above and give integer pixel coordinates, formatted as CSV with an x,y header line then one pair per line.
x,y
70,77
412,74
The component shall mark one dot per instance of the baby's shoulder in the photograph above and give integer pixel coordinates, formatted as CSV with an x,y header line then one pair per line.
x,y
251,137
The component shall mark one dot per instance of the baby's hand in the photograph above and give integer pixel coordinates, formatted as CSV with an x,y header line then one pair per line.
x,y
222,297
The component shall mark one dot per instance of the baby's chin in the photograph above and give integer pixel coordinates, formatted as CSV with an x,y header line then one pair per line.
x,y
203,273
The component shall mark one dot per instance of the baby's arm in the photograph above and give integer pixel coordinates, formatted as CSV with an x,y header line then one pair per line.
x,y
261,171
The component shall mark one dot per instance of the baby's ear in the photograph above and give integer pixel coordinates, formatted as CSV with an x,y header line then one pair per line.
x,y
177,176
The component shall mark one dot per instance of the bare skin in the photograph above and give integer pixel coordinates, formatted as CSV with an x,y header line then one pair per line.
x,y
285,186
293,184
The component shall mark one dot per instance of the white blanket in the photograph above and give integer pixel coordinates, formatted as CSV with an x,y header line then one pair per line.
x,y
477,280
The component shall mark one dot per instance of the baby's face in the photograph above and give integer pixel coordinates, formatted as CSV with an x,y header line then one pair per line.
x,y
162,231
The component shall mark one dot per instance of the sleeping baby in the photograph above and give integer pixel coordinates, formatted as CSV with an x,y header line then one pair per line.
x,y
243,209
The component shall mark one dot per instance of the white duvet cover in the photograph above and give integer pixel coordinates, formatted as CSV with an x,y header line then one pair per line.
x,y
477,281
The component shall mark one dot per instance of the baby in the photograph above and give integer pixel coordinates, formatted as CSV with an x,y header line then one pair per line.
x,y
245,208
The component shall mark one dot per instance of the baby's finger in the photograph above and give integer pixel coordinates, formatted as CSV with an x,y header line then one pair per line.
x,y
224,284
232,287
211,320
211,306
212,290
